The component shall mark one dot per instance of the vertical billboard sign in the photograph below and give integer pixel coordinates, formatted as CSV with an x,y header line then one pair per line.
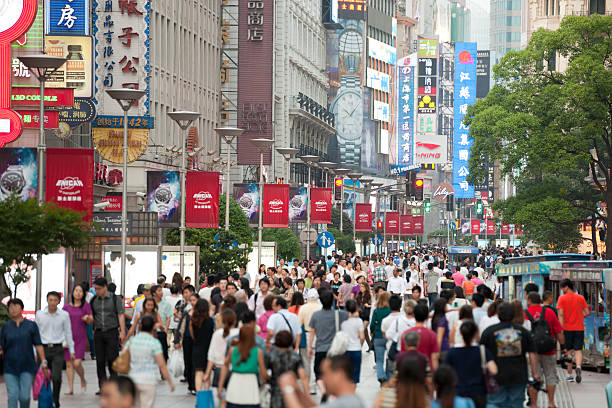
x,y
405,110
392,219
475,227
247,196
363,214
417,225
18,173
275,206
202,199
483,73
164,195
405,224
255,71
28,44
465,95
321,205
426,140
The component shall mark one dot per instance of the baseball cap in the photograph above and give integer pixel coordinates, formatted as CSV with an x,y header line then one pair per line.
x,y
147,286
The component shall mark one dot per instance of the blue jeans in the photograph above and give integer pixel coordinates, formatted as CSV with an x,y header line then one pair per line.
x,y
508,396
355,357
380,351
18,388
431,297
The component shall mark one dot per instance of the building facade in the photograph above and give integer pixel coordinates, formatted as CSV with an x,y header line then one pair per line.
x,y
506,20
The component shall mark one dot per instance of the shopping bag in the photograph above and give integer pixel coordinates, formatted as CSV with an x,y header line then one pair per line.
x,y
45,396
205,399
41,375
176,365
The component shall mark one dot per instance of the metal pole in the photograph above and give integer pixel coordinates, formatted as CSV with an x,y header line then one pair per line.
x,y
355,199
260,225
41,179
227,187
384,223
341,204
124,196
308,215
182,226
288,169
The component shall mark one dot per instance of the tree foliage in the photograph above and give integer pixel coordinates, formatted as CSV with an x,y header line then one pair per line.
x,y
548,122
29,229
288,245
344,239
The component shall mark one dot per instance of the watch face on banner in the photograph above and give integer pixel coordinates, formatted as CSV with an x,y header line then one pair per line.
x,y
18,173
163,195
247,196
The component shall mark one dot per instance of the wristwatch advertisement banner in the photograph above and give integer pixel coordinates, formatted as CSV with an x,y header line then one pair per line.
x,y
70,179
163,196
321,205
363,214
247,196
276,206
298,199
392,219
18,172
202,199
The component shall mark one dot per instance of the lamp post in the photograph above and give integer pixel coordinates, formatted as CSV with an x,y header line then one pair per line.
x,y
329,166
42,66
375,186
309,160
354,178
263,145
287,153
183,119
393,192
228,134
342,172
126,99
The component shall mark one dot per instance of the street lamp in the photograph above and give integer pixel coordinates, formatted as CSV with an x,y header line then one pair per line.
x,y
375,186
184,119
288,153
228,134
309,160
341,172
126,98
329,166
354,178
393,192
263,145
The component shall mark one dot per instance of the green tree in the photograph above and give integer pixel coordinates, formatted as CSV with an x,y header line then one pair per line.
x,y
224,255
287,243
29,229
544,126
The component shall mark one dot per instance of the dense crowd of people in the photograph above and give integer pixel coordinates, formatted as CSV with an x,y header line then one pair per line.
x,y
441,335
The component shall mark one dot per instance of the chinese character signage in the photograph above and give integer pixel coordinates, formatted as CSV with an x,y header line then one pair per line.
x,y
465,95
381,51
381,111
352,9
363,214
429,147
121,32
378,80
67,17
109,143
483,73
428,48
31,43
321,205
405,112
77,72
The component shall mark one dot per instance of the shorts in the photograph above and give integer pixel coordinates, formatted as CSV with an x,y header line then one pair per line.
x,y
547,369
574,340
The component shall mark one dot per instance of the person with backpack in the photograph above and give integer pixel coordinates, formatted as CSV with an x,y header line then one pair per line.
x,y
109,319
545,328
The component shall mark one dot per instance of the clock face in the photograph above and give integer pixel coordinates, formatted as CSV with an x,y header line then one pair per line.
x,y
163,195
349,117
12,182
10,11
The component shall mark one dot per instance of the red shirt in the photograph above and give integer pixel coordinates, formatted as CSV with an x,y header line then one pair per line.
x,y
572,305
550,317
428,341
458,278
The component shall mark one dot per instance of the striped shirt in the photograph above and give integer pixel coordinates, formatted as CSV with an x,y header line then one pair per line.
x,y
143,367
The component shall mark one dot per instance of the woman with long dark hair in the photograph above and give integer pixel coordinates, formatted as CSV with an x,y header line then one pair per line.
x,y
177,280
149,308
218,346
411,390
444,380
297,300
80,315
364,303
439,325
201,329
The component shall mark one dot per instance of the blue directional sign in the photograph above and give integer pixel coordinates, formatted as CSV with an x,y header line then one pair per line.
x,y
452,225
378,239
325,239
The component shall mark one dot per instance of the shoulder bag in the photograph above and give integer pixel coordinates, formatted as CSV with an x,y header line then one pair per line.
x,y
121,364
490,383
340,341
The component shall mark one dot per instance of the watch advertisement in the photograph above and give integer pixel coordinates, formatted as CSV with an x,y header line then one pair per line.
x,y
276,206
18,172
70,179
392,219
164,195
298,199
247,196
363,214
321,205
202,199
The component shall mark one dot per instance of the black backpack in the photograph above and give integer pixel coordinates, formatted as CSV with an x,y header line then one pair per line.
x,y
542,336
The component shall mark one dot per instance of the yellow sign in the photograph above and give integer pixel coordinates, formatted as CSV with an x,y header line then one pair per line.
x,y
77,72
109,142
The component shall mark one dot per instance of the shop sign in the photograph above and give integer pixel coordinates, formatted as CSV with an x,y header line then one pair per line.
x,y
109,143
77,72
30,96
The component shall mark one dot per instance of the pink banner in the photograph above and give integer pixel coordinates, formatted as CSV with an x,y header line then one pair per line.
x,y
505,229
406,225
392,219
363,218
417,225
276,206
490,227
475,227
202,199
320,205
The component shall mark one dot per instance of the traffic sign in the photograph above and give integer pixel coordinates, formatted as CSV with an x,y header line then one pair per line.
x,y
308,236
378,239
325,239
452,225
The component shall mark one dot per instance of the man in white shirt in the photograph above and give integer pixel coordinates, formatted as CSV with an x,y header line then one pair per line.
x,y
55,329
255,303
390,324
341,267
397,285
282,319
173,299
389,268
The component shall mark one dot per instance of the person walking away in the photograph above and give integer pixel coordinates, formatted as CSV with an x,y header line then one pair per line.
x,y
118,392
428,340
201,329
218,346
445,381
410,341
364,304
18,337
80,316
146,362
283,319
165,312
456,339
411,390
468,286
477,310
245,360
353,327
572,310
380,343
509,343
183,338
55,329
304,317
173,300
545,328
109,319
390,324
491,318
431,279
458,277
467,361
394,331
280,360
447,283
439,325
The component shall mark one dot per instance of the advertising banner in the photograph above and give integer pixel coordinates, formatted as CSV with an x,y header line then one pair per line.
x,y
392,219
31,43
465,95
475,227
30,96
483,73
406,224
247,196
505,229
417,225
276,206
490,227
70,179
109,224
363,212
164,196
518,230
430,149
18,172
115,202
405,111
321,205
77,72
202,199
31,119
381,111
141,266
298,199
381,51
67,17
378,80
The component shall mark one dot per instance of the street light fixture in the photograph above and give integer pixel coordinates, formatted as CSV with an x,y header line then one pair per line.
x,y
342,172
329,166
309,160
126,98
184,119
263,145
287,153
228,134
354,178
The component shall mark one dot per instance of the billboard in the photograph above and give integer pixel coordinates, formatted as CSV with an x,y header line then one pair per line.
x,y
381,111
202,199
67,17
378,80
247,196
275,206
405,111
465,95
381,51
164,196
352,9
426,134
18,172
298,200
483,73
430,149
77,72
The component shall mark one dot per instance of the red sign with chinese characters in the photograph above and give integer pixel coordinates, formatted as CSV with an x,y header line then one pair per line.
x,y
406,225
30,96
490,227
417,225
70,176
114,202
276,206
31,119
363,217
392,219
320,205
505,229
202,199
475,227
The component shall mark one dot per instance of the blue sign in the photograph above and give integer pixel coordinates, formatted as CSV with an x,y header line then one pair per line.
x,y
67,17
452,225
134,122
83,111
378,239
465,95
325,239
405,116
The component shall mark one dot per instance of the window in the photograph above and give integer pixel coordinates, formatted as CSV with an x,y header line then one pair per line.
x,y
597,6
513,21
513,5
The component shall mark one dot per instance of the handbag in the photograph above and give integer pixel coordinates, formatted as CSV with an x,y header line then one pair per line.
x,y
45,397
340,341
205,399
392,353
121,364
490,383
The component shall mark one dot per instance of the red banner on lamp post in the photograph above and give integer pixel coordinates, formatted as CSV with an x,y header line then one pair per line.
x,y
475,227
320,205
202,199
363,217
70,178
417,225
505,229
392,219
490,227
406,225
276,206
